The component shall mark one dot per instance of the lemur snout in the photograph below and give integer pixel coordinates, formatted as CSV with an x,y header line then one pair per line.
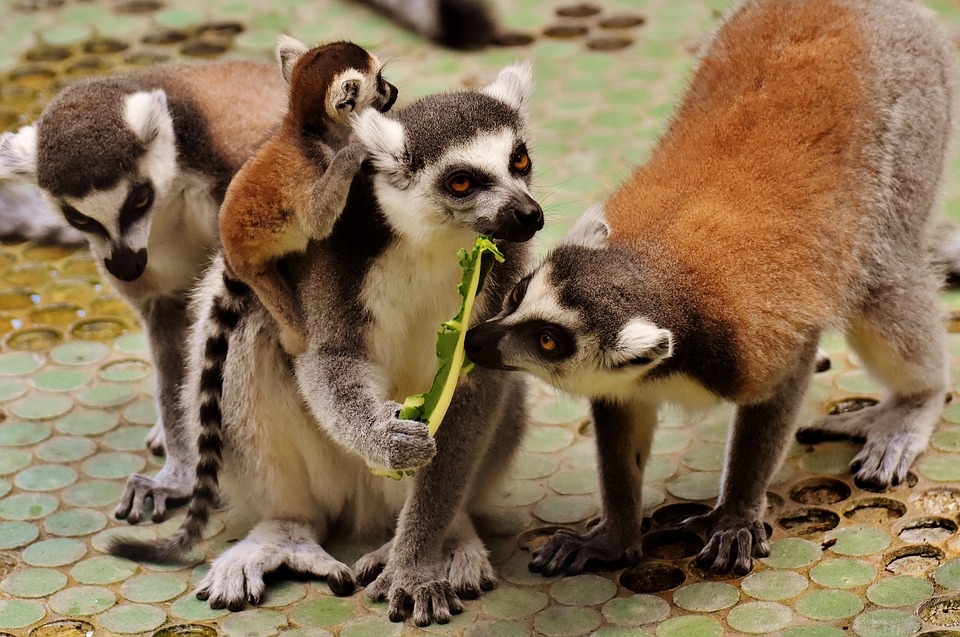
x,y
390,100
481,345
125,264
521,218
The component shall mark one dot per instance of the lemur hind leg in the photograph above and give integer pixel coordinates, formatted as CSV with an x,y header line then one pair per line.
x,y
901,341
278,297
236,577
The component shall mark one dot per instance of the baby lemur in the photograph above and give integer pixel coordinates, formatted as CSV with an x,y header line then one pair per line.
x,y
298,439
794,191
294,187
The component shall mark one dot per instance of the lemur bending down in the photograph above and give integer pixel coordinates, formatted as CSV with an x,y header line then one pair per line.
x,y
295,186
139,163
794,191
298,440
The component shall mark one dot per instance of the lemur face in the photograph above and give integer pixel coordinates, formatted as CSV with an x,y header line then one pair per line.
x,y
130,164
470,173
572,323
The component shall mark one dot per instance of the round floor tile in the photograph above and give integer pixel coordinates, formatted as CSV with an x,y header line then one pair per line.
x,y
22,434
636,610
18,613
93,493
371,626
41,406
583,590
17,533
82,600
902,590
129,619
34,582
115,465
12,460
79,353
886,622
689,626
55,552
774,585
547,439
27,506
45,477
63,449
103,569
566,621
323,612
87,423
759,617
829,605
858,540
75,522
843,573
152,587
565,509
706,597
507,602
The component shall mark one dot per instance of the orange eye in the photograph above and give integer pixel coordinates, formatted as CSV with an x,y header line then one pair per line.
x,y
143,201
547,342
460,185
521,162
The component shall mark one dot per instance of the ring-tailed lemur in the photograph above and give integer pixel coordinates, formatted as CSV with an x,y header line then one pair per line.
x,y
139,164
294,187
793,191
298,439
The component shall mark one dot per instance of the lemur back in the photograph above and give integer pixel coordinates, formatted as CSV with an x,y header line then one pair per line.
x,y
294,188
139,163
793,192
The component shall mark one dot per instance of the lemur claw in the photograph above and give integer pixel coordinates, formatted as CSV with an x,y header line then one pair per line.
x,y
573,553
733,541
163,490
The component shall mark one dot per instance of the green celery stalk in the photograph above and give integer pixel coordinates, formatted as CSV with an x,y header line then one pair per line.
x,y
432,406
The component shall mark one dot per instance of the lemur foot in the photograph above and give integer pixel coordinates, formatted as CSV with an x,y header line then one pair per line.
x,y
421,590
895,432
236,577
735,538
573,553
155,439
369,567
173,484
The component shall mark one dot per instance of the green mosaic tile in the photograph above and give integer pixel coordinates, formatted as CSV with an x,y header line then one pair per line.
x,y
34,582
132,343
114,465
190,608
61,379
858,540
562,408
27,506
513,603
902,590
583,590
82,600
371,626
133,618
706,597
79,353
5,487
64,449
811,630
706,458
689,626
578,481
759,617
697,485
547,439
282,594
19,613
886,623
306,632
939,468
774,585
45,477
843,573
75,522
529,466
946,440
21,434
103,569
502,628
12,460
106,395
857,383
11,388
127,438
566,621
16,534
670,441
253,623
41,406
142,412
832,458
125,370
55,552
565,509
152,587
519,493
582,454
948,574
456,626
620,631
829,605
324,612
660,468
19,363
87,423
636,610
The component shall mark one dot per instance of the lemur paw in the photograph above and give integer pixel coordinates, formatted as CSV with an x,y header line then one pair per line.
x,y
369,567
470,572
885,459
236,578
172,485
155,439
420,591
572,553
401,444
734,540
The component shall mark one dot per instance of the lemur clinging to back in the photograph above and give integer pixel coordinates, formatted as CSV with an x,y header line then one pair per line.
x,y
139,164
297,441
294,187
794,191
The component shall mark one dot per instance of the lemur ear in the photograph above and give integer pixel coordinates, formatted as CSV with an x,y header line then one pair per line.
x,y
514,85
344,99
591,230
288,51
18,155
147,115
386,141
641,344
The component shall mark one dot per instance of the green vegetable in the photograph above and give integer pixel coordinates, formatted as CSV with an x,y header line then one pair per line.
x,y
431,407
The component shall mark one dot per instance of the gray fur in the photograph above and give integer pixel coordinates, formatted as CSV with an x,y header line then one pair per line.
x,y
590,291
25,216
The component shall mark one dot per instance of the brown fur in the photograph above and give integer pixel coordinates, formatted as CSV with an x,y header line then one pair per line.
x,y
800,136
294,188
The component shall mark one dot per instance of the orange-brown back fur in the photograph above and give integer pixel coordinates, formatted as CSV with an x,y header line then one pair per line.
x,y
766,145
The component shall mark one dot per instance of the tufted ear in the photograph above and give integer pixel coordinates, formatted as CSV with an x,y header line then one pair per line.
x,y
514,86
344,99
590,230
288,51
641,343
148,116
385,140
18,155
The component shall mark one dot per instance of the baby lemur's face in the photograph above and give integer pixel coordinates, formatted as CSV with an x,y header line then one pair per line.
x,y
356,89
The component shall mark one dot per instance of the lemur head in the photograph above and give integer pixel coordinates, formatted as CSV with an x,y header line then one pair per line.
x,y
348,77
102,155
460,164
582,321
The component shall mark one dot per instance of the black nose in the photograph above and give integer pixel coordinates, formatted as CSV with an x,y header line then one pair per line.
x,y
125,264
520,219
390,100
482,346
529,215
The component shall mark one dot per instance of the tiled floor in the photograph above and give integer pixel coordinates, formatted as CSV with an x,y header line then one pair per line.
x,y
75,390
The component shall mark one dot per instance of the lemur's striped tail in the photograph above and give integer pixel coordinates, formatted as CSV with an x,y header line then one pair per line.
x,y
225,313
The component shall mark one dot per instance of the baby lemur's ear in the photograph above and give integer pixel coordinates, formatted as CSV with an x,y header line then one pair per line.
x,y
386,141
343,98
288,51
18,155
591,230
514,86
641,344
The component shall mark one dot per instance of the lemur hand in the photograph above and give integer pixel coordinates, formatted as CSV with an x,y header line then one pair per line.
x,y
735,538
572,553
398,444
420,587
172,484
